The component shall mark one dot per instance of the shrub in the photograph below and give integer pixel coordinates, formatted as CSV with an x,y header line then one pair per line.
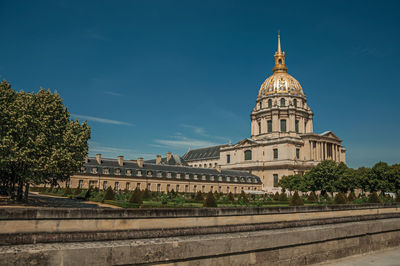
x,y
172,194
164,200
296,200
312,197
216,195
276,196
210,200
88,193
340,198
243,199
147,194
352,196
109,195
231,198
136,197
199,196
283,197
374,198
77,191
67,191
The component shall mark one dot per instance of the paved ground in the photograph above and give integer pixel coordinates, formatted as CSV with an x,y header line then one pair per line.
x,y
389,257
36,200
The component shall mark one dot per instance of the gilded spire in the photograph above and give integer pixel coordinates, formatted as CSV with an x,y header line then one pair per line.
x,y
279,58
279,43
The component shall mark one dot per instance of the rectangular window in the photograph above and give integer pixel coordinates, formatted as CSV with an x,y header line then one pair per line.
x,y
283,125
186,188
148,186
296,126
212,189
276,180
259,128
228,158
138,185
116,185
67,183
104,185
195,188
168,185
275,153
269,124
127,186
203,188
80,185
92,183
298,153
158,187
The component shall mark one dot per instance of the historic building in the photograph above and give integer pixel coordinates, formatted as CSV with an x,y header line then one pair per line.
x,y
282,140
161,175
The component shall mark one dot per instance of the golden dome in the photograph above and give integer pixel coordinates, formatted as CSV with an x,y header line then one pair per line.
x,y
280,81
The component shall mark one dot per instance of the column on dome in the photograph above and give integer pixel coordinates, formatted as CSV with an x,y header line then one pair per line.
x,y
290,123
275,122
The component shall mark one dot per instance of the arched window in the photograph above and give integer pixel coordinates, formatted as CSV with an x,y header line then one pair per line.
x,y
280,61
260,105
259,128
269,103
247,155
283,102
295,102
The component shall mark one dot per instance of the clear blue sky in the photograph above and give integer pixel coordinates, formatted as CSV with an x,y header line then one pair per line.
x,y
158,76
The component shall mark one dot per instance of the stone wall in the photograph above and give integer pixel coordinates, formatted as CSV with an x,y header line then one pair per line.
x,y
237,236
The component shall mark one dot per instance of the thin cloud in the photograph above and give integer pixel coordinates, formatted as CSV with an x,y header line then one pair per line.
x,y
113,93
102,120
202,132
184,142
113,152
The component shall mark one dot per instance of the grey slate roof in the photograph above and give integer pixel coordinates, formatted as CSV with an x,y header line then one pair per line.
x,y
203,153
161,171
175,160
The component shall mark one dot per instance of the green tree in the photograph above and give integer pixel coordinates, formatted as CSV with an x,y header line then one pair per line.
x,y
39,144
136,197
378,179
394,174
363,175
296,200
210,200
323,177
347,180
109,195
292,183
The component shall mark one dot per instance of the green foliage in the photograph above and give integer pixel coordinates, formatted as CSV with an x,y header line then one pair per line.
x,y
276,196
292,183
296,200
243,199
147,194
38,141
164,200
109,195
88,194
312,197
340,198
397,197
231,198
199,196
324,176
210,200
374,198
136,197
283,197
77,191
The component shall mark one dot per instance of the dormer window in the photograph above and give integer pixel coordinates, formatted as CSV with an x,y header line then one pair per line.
x,y
94,170
159,174
247,155
139,173
178,175
117,171
83,169
169,175
149,173
129,172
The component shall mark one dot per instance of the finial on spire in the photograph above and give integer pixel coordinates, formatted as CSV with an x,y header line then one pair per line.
x,y
279,42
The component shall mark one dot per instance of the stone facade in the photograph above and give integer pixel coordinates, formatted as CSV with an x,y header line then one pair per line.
x,y
160,175
282,140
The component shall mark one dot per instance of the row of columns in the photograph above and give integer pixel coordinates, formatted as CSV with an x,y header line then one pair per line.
x,y
324,151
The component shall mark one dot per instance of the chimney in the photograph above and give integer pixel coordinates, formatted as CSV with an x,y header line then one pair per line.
x,y
120,160
98,158
86,159
169,155
158,159
219,168
140,162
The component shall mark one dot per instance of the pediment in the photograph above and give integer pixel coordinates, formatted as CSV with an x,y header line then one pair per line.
x,y
246,142
330,134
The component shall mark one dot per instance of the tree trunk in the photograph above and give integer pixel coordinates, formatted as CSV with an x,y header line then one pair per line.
x,y
26,192
20,190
